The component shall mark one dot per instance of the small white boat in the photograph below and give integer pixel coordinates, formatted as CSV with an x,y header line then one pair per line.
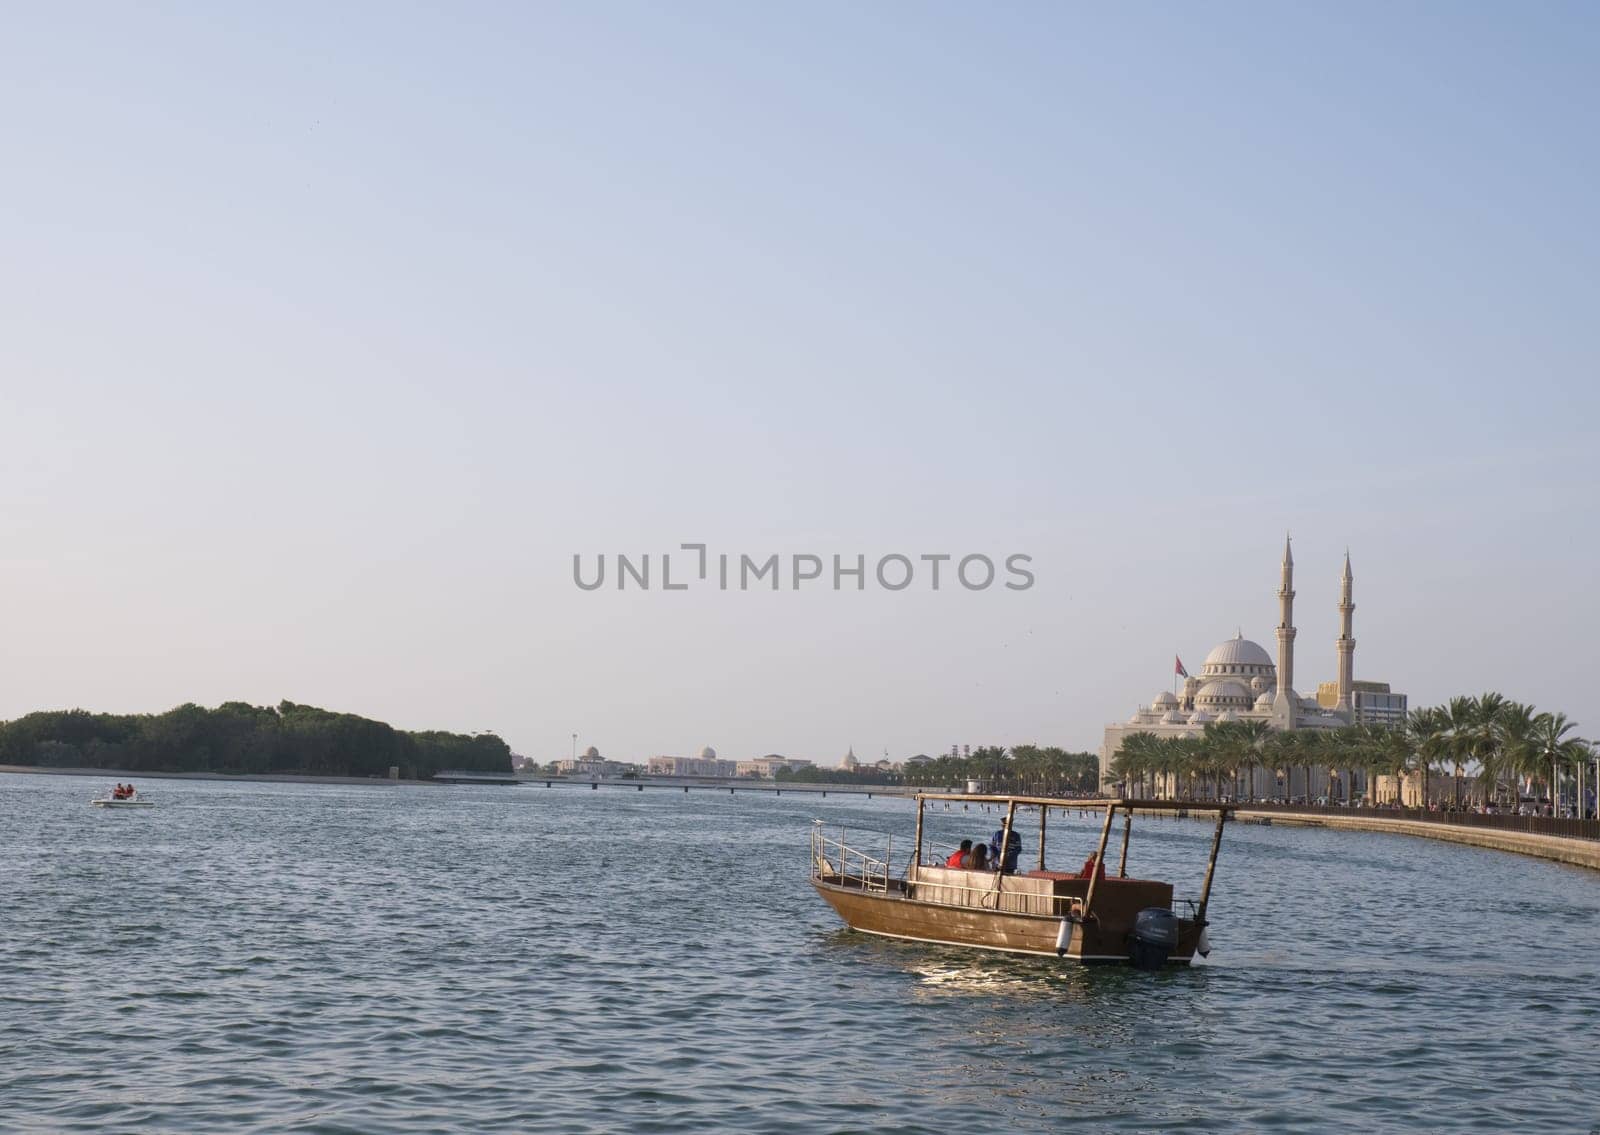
x,y
133,801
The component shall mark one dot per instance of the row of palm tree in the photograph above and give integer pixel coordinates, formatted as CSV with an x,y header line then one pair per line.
x,y
1512,748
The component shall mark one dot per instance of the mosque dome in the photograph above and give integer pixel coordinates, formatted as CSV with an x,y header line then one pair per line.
x,y
1264,702
708,754
1227,715
1200,717
1260,683
591,754
1172,717
1163,701
1236,652
1221,692
1137,718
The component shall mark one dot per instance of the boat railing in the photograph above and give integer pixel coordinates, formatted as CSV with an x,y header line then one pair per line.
x,y
834,860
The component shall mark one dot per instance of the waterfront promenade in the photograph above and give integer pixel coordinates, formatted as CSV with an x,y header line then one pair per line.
x,y
1577,851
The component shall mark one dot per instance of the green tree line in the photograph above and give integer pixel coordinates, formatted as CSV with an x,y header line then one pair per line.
x,y
239,738
1022,769
1512,748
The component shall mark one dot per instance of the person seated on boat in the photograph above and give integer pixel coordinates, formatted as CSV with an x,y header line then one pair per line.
x,y
1008,861
958,857
128,793
978,858
120,792
1093,866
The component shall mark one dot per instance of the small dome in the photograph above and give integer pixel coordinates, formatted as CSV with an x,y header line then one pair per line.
x,y
1137,718
591,754
1264,702
1163,701
708,754
1223,692
1200,717
1260,683
1172,717
1227,715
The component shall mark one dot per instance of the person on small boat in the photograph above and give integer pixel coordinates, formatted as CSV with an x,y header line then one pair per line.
x,y
1008,861
120,792
978,858
958,857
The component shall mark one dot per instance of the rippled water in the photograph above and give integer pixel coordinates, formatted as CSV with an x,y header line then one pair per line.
x,y
270,957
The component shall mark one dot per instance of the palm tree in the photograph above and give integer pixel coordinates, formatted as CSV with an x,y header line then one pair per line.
x,y
1469,733
1255,736
1427,734
1279,750
1554,748
1347,747
1514,759
1135,759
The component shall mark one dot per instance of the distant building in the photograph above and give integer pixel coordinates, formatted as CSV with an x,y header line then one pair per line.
x,y
767,767
1373,703
849,762
706,764
919,760
593,764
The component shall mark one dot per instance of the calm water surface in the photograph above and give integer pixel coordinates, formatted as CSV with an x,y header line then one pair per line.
x,y
268,957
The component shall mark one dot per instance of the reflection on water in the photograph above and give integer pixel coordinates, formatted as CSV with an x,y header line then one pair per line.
x,y
266,957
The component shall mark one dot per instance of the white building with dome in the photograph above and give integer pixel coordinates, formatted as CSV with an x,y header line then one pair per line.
x,y
593,765
1240,681
706,764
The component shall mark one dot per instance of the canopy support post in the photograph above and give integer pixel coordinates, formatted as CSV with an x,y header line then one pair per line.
x,y
1127,827
1099,860
916,853
1005,837
1211,868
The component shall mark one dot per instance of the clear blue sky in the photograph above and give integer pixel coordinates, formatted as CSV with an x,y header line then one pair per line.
x,y
328,335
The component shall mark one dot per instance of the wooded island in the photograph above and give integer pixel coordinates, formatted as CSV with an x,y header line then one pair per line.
x,y
237,737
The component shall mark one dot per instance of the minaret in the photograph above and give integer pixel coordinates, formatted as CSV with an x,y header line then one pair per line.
x,y
1283,705
1346,643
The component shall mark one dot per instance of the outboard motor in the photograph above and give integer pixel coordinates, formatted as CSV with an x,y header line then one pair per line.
x,y
1155,936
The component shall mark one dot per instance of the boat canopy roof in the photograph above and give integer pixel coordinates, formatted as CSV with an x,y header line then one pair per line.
x,y
1070,802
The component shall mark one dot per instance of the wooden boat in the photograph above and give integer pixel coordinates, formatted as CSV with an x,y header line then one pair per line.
x,y
1101,917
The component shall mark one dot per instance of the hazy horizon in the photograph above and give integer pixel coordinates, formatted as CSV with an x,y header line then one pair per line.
x,y
333,335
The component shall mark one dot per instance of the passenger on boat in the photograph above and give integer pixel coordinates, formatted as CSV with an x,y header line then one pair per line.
x,y
1008,862
958,857
1092,866
978,858
120,792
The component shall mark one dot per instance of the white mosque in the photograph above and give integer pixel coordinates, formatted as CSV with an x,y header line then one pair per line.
x,y
1240,682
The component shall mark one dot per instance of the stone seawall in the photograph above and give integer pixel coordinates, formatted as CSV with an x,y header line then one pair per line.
x,y
1578,852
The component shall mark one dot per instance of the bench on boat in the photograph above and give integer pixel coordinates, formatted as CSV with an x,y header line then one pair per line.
x,y
1052,893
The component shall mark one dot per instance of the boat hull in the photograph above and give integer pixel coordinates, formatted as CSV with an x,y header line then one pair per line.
x,y
123,803
891,914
